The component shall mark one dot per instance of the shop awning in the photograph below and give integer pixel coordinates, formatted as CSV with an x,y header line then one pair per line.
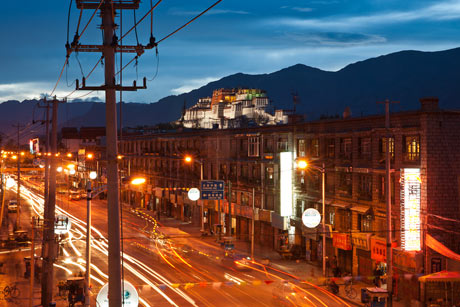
x,y
441,248
443,276
360,209
340,205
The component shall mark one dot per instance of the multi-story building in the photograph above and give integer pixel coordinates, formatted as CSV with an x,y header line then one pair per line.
x,y
425,181
232,108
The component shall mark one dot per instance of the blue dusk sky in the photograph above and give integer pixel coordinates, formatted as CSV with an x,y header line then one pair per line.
x,y
251,36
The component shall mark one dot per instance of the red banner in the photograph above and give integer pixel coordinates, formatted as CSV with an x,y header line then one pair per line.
x,y
342,241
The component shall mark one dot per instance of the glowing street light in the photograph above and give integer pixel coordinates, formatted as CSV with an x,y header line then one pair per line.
x,y
188,159
14,157
71,166
59,169
72,171
90,156
302,164
138,180
69,155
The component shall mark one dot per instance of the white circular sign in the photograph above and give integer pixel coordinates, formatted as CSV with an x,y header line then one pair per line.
x,y
131,298
311,218
194,194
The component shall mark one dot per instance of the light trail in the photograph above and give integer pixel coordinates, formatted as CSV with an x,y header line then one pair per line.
x,y
37,204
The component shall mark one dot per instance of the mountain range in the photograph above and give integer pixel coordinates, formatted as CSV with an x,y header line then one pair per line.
x,y
404,76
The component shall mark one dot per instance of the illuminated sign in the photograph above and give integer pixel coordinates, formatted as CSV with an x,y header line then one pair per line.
x,y
130,296
61,224
286,183
410,209
193,194
34,146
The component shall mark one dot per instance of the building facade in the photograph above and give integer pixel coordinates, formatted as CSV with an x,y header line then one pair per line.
x,y
425,181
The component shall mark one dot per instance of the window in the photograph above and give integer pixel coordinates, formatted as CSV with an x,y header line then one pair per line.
x,y
411,148
365,187
330,148
314,147
345,148
253,148
301,148
268,143
244,199
366,223
383,148
365,147
345,184
282,144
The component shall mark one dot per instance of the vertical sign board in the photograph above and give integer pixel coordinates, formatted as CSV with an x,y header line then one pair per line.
x,y
410,208
286,183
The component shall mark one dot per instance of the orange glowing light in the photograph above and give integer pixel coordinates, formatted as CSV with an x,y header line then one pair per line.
x,y
90,156
188,159
69,155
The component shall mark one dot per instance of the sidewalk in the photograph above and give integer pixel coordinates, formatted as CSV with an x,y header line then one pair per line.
x,y
299,269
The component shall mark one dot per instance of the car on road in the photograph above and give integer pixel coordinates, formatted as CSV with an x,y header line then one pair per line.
x,y
75,195
13,206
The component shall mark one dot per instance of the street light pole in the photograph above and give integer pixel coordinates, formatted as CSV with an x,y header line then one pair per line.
x,y
88,242
323,199
202,203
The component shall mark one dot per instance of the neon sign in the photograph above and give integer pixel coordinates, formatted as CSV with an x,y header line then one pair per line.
x,y
410,208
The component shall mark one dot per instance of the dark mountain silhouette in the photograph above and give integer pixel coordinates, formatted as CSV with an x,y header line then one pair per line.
x,y
404,76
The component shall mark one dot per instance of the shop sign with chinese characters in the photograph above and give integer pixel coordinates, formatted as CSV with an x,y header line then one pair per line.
x,y
378,249
410,208
342,241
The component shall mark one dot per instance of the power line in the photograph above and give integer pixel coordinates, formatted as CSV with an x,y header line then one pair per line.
x,y
140,20
189,22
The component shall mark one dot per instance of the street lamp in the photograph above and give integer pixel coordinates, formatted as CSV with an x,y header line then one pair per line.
x,y
302,164
189,159
92,176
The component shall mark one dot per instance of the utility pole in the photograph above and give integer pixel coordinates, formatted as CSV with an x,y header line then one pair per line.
x,y
49,253
229,225
18,194
388,202
109,47
253,217
88,242
32,261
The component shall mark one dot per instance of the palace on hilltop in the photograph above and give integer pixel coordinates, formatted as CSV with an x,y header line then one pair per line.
x,y
233,108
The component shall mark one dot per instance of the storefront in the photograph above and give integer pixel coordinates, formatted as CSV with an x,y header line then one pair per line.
x,y
362,262
342,242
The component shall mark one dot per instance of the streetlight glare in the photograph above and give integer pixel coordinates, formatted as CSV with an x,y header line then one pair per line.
x,y
302,164
70,166
188,159
138,180
72,172
14,157
69,155
92,175
89,156
59,169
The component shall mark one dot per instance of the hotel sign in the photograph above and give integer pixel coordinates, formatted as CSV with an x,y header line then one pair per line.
x,y
410,209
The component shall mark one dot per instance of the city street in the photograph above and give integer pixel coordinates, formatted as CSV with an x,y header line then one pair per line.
x,y
180,270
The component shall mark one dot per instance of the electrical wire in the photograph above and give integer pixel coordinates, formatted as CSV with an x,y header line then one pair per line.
x,y
140,20
87,24
68,21
79,64
158,65
60,75
189,22
135,28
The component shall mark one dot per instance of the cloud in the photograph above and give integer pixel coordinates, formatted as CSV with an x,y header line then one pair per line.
x,y
179,12
440,11
192,84
35,90
298,8
339,39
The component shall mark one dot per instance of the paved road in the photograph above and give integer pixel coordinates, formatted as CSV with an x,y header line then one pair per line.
x,y
182,270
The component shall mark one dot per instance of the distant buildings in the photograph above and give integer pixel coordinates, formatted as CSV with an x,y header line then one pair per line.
x,y
233,108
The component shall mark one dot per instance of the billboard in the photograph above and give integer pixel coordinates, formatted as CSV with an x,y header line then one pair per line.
x,y
34,146
410,209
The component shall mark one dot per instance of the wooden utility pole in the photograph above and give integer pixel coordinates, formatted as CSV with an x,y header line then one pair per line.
x,y
48,234
108,48
18,194
388,202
